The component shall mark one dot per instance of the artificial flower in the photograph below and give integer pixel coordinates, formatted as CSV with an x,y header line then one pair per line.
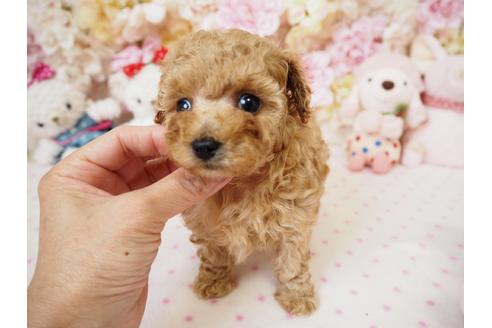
x,y
435,15
34,52
320,76
452,40
302,38
255,16
399,34
352,44
310,13
341,88
53,26
120,22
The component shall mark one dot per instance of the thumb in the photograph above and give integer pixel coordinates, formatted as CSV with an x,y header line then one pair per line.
x,y
175,193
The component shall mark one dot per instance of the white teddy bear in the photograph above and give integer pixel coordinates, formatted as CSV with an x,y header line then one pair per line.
x,y
384,101
136,79
60,118
137,93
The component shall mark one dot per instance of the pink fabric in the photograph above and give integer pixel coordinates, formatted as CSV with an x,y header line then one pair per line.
x,y
433,101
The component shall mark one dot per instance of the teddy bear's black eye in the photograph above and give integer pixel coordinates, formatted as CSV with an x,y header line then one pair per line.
x,y
139,101
41,125
68,106
183,105
369,80
249,103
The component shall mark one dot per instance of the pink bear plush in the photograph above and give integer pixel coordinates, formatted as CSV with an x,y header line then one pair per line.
x,y
384,102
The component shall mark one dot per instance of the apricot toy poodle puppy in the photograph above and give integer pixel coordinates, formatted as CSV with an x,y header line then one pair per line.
x,y
236,105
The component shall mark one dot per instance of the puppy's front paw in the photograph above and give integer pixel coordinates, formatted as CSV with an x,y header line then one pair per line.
x,y
297,302
207,287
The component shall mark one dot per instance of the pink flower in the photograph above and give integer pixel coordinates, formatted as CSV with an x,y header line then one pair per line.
x,y
434,15
320,75
255,16
352,45
34,51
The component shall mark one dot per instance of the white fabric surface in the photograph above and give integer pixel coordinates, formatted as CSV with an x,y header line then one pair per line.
x,y
387,252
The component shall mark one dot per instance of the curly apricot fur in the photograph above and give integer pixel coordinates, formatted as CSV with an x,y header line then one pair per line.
x,y
276,157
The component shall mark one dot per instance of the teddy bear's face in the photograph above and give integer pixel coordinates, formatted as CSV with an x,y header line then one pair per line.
x,y
385,89
141,92
53,107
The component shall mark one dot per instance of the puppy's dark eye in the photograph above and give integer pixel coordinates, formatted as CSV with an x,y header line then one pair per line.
x,y
139,101
41,125
369,80
249,103
183,105
68,106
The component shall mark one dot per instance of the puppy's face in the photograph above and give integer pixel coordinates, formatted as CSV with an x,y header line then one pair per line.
x,y
228,100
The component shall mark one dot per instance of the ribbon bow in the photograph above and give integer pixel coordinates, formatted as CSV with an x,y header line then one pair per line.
x,y
41,72
133,58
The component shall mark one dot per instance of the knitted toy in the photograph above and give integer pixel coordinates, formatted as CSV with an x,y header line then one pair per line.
x,y
384,101
136,79
60,117
441,140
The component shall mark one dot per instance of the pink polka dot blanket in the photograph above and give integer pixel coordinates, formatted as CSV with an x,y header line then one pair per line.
x,y
387,252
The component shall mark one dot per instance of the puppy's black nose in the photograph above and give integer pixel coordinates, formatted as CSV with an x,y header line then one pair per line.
x,y
388,85
205,148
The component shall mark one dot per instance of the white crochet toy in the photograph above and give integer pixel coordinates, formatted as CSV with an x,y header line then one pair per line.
x,y
60,117
384,101
440,140
137,93
135,81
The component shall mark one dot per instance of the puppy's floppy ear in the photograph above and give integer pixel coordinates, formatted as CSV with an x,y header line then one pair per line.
x,y
297,89
172,59
160,115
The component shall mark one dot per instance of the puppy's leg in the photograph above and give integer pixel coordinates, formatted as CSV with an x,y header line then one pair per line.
x,y
215,278
296,291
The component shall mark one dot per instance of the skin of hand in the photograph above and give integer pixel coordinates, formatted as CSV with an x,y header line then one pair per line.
x,y
102,211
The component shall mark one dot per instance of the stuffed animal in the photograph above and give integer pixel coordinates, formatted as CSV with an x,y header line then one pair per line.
x,y
135,83
384,101
61,118
441,140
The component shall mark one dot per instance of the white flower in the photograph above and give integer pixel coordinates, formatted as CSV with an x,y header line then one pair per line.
x,y
49,42
65,37
75,76
155,12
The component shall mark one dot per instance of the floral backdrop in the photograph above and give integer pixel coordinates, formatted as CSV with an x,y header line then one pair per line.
x,y
334,36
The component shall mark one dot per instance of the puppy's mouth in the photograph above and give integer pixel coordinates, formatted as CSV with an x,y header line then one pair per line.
x,y
211,169
212,166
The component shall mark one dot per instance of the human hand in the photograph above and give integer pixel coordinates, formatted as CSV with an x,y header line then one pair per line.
x,y
103,209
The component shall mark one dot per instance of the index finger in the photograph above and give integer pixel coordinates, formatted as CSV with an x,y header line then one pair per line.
x,y
116,148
